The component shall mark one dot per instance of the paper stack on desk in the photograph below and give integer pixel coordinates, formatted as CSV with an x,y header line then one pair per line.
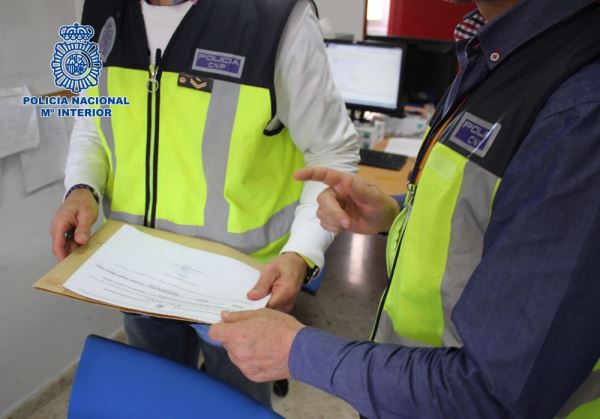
x,y
404,146
157,273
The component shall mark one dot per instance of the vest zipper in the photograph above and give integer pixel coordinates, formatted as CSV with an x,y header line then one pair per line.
x,y
153,118
154,75
408,201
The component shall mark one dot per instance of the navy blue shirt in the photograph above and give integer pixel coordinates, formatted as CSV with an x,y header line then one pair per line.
x,y
529,317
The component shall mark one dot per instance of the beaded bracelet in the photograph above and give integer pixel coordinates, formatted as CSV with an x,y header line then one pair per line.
x,y
83,186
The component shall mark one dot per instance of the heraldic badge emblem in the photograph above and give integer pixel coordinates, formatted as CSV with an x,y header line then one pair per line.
x,y
76,62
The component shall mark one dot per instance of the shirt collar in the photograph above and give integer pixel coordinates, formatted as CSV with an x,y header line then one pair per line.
x,y
503,35
469,27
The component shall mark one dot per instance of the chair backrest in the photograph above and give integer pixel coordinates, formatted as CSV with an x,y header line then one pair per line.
x,y
115,381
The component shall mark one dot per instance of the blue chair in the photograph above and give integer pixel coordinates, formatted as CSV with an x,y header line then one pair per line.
x,y
116,381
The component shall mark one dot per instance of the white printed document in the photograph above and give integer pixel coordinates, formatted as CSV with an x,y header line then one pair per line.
x,y
140,272
404,146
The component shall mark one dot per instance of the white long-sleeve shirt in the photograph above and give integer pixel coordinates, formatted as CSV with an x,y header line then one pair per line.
x,y
308,104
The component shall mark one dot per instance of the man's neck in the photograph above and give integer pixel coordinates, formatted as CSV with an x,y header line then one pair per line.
x,y
491,9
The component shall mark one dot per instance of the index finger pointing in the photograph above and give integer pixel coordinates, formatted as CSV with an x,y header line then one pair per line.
x,y
321,174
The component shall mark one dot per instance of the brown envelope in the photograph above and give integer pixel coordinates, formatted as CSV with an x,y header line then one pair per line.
x,y
53,281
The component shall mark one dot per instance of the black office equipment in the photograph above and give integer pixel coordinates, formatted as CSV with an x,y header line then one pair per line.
x,y
381,159
429,68
368,75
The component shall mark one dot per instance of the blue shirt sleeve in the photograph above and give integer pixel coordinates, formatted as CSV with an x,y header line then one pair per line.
x,y
529,317
389,381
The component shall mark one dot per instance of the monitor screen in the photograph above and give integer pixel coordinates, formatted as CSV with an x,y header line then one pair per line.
x,y
368,76
429,69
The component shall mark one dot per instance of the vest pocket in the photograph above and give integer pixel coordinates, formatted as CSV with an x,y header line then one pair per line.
x,y
442,165
414,301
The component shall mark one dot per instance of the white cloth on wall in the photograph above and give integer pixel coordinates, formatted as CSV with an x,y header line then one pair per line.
x,y
43,165
18,123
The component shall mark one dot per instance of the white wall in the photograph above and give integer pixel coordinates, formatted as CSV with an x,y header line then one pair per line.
x,y
40,334
346,16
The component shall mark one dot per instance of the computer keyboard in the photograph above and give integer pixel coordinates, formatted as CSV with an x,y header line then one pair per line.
x,y
381,159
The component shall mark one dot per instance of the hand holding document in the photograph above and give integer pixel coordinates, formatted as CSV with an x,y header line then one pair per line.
x,y
137,272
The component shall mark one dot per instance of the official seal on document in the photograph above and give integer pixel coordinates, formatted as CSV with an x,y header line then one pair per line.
x,y
76,62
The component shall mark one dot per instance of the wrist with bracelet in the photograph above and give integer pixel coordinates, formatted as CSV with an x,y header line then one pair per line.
x,y
83,186
312,270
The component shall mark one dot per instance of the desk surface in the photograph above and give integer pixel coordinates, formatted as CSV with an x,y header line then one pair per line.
x,y
392,182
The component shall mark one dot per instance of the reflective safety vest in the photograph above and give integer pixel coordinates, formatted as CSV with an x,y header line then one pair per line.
x,y
436,242
198,151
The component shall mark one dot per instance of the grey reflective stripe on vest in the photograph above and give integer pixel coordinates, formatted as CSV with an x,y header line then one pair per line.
x,y
126,218
106,209
106,123
247,242
470,218
587,392
387,334
215,155
107,130
215,151
469,223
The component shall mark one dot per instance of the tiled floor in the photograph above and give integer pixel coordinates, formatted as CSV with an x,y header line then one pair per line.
x,y
345,305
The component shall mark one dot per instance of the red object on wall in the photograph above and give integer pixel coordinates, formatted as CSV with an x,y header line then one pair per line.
x,y
430,19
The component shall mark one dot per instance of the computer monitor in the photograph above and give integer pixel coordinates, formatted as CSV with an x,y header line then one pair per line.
x,y
430,67
369,76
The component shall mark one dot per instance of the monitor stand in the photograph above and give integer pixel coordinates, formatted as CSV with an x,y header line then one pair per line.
x,y
358,116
